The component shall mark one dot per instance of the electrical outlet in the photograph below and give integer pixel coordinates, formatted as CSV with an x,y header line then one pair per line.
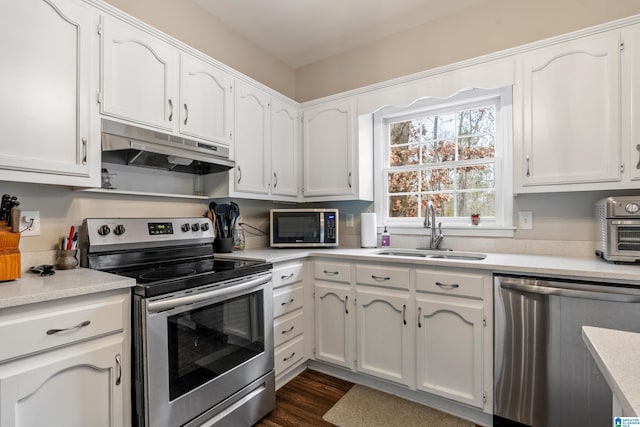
x,y
525,220
27,227
349,220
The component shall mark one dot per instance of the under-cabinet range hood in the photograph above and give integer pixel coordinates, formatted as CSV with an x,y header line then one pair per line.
x,y
129,145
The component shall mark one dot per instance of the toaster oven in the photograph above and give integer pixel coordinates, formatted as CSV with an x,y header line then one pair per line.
x,y
618,229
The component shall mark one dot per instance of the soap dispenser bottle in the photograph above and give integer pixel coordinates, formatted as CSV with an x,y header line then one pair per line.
x,y
386,237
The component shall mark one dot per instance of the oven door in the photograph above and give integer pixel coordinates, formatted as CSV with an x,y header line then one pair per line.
x,y
625,238
203,346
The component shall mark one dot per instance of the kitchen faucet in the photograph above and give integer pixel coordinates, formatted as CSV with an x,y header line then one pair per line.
x,y
430,222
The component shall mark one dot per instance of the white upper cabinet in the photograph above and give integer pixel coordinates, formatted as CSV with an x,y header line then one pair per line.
x,y
285,153
48,131
568,136
251,133
138,76
206,101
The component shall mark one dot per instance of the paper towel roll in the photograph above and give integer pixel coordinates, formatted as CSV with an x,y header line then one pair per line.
x,y
368,235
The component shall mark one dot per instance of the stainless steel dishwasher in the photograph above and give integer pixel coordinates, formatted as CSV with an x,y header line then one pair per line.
x,y
544,376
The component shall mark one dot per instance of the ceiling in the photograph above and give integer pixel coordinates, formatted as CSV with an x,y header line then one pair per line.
x,y
300,32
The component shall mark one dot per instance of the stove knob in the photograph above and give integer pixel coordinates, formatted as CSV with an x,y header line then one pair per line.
x,y
204,226
195,227
119,230
103,230
632,208
185,227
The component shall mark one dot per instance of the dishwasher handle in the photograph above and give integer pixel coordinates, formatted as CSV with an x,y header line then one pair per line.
x,y
575,290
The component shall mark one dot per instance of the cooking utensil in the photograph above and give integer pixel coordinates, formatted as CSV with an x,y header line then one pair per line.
x,y
221,219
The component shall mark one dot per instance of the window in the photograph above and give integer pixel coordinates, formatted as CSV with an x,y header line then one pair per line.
x,y
450,152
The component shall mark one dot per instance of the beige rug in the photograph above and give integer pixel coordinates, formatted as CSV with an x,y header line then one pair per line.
x,y
363,406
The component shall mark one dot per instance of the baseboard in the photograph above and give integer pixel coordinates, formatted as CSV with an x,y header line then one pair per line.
x,y
290,374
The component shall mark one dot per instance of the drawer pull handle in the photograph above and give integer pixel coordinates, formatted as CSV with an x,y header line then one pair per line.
x,y
287,277
331,273
290,357
288,330
447,285
118,369
419,317
286,302
380,278
78,326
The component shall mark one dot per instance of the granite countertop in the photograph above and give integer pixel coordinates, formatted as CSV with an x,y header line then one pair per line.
x,y
32,288
617,354
590,268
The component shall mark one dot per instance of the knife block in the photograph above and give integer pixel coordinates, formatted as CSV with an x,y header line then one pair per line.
x,y
10,263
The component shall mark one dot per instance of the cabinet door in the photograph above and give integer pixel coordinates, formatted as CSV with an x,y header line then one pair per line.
x,y
571,117
206,101
45,86
138,76
384,334
334,313
251,174
449,349
328,149
284,149
80,385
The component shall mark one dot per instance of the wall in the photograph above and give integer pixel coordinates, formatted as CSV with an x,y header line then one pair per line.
x,y
488,27
192,25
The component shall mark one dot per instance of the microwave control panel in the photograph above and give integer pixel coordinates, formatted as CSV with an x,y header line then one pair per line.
x,y
330,227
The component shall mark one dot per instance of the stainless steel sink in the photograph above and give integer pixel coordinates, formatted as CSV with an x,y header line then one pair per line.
x,y
431,253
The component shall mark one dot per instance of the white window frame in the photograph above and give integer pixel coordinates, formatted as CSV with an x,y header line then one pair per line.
x,y
502,224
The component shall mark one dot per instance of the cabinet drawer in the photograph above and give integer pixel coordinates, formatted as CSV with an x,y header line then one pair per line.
x,y
287,299
287,327
289,355
392,277
449,283
332,271
287,275
48,325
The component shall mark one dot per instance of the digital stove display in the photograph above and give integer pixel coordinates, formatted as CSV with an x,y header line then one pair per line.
x,y
160,228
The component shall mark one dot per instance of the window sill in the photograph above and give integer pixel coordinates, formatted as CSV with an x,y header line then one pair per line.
x,y
453,230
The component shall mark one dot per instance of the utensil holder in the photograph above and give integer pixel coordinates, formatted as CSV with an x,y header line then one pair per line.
x,y
67,260
223,244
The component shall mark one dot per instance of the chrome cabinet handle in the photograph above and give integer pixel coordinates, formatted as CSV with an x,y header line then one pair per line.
x,y
84,150
170,111
447,285
528,171
186,114
330,273
349,179
286,302
275,180
290,357
380,278
288,330
404,314
638,150
419,317
118,369
239,174
78,326
287,277
346,304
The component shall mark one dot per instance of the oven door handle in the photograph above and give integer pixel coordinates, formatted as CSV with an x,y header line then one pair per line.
x,y
168,304
576,291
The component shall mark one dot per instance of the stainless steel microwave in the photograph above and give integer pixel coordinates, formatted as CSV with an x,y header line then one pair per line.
x,y
297,228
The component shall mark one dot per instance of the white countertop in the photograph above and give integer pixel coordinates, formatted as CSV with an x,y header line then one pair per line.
x,y
590,268
617,354
32,288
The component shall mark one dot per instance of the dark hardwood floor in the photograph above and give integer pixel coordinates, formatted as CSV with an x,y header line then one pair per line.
x,y
304,400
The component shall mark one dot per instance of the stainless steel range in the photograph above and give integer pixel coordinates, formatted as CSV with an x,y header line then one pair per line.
x,y
202,327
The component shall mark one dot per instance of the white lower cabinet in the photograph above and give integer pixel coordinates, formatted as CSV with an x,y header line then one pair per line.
x,y
334,323
70,363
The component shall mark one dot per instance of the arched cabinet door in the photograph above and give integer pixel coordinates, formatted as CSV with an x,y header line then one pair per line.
x,y
47,130
334,323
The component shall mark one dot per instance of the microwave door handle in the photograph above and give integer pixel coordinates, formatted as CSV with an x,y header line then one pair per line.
x,y
576,291
321,227
169,303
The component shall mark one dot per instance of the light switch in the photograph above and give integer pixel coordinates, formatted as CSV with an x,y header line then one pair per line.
x,y
525,220
349,220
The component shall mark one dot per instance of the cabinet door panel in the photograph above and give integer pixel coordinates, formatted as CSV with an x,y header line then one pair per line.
x,y
138,76
571,112
449,349
206,101
284,149
333,305
384,335
45,87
